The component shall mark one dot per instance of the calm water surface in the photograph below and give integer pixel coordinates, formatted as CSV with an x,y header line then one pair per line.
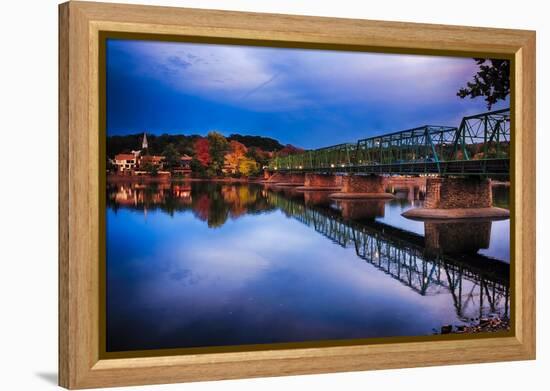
x,y
209,264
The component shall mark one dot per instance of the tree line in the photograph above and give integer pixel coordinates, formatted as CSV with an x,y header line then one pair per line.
x,y
213,155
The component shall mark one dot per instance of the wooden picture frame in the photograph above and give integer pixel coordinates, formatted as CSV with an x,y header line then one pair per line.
x,y
80,26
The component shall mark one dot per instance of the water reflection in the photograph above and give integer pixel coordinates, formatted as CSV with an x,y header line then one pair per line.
x,y
457,237
361,209
288,282
209,202
447,257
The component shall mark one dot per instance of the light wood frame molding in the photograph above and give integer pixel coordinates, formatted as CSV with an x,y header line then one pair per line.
x,y
80,23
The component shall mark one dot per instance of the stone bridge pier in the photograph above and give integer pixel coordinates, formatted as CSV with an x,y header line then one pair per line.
x,y
362,187
321,182
458,198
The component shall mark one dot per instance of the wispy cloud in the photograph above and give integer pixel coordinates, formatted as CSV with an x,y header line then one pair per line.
x,y
262,85
233,74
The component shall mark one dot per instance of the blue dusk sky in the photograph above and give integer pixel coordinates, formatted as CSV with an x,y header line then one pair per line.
x,y
308,98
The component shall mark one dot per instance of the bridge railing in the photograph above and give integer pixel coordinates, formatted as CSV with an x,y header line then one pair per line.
x,y
429,149
341,155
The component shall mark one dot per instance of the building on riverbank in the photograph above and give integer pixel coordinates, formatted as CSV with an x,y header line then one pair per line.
x,y
141,163
126,162
184,167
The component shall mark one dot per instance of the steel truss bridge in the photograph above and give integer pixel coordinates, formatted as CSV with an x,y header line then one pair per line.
x,y
479,285
479,146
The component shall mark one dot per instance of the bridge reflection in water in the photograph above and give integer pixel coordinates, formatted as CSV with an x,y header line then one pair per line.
x,y
445,260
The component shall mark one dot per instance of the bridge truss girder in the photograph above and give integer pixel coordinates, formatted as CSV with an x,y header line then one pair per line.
x,y
479,146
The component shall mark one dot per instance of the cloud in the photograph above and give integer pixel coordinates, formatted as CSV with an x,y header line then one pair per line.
x,y
274,79
218,73
304,96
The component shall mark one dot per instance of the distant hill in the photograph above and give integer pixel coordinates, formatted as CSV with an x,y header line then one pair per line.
x,y
183,143
265,143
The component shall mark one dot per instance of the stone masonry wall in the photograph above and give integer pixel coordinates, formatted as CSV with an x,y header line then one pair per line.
x,y
363,184
433,187
459,193
322,180
277,177
295,178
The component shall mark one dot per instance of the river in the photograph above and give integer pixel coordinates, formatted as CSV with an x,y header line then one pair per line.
x,y
196,264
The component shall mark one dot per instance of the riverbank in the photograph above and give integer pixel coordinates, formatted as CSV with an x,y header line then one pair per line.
x,y
489,324
167,179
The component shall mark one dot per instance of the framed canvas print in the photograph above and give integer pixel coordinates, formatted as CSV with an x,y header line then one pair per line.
x,y
248,195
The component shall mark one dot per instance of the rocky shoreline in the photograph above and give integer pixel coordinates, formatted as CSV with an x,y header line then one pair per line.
x,y
488,324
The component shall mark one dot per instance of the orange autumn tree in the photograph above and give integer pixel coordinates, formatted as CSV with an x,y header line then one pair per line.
x,y
236,154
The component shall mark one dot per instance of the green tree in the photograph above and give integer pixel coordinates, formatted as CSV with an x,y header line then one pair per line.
x,y
492,81
218,148
171,155
198,169
260,156
151,169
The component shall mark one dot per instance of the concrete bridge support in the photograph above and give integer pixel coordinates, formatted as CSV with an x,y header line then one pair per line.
x,y
362,187
457,198
321,182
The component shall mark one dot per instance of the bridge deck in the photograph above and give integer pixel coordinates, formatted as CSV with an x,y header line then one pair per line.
x,y
492,167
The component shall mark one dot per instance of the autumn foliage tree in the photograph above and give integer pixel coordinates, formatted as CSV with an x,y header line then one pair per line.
x,y
202,152
215,155
236,154
289,150
248,166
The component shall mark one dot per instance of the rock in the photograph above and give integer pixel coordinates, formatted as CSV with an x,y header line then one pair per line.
x,y
446,329
484,322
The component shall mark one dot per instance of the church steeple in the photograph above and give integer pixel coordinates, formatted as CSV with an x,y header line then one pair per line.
x,y
144,142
